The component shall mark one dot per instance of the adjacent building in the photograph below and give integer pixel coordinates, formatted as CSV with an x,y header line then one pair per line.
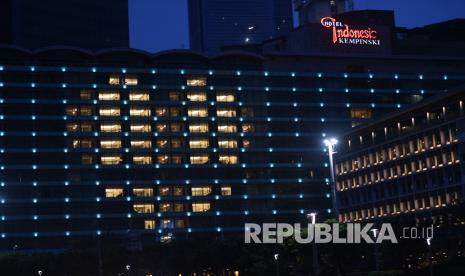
x,y
407,166
213,24
88,24
311,11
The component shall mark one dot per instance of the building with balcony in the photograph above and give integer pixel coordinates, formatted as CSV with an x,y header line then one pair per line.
x,y
407,166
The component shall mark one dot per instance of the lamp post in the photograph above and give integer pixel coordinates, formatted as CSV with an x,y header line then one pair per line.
x,y
375,234
276,259
428,242
312,218
128,269
40,272
330,144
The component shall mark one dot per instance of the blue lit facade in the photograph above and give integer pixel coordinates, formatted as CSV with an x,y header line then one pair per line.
x,y
177,144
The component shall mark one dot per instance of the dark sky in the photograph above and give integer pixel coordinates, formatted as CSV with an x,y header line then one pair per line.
x,y
158,25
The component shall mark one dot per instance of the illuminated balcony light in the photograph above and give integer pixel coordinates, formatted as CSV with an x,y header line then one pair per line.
x,y
294,89
268,119
154,87
346,75
212,87
246,213
319,75
244,181
218,213
370,76
302,211
63,85
320,90
268,104
422,91
271,165
396,76
322,120
274,212
347,90
33,85
35,217
66,199
129,215
99,232
36,234
239,88
210,72
292,74
299,180
347,104
123,70
238,73
265,74
1,68
301,196
372,91
32,68
445,77
34,167
373,105
399,106
34,200
294,104
94,85
322,104
66,183
328,195
420,77
273,196
67,233
94,69
97,199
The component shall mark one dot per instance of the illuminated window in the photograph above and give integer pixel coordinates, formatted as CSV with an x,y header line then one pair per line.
x,y
139,111
166,223
163,159
139,96
198,128
130,80
178,191
108,96
110,127
246,143
176,143
360,113
84,143
164,191
162,143
227,128
110,111
225,97
166,207
227,144
248,128
86,95
142,160
72,111
179,207
175,112
86,111
176,159
111,159
149,224
199,159
142,192
226,112
110,144
201,207
114,80
161,111
198,143
201,191
226,191
198,81
197,96
113,192
86,127
197,112
161,127
180,223
143,208
228,159
87,159
175,96
72,127
175,127
141,128
141,144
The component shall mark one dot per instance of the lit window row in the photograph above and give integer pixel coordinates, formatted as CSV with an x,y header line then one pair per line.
x,y
110,127
412,205
116,159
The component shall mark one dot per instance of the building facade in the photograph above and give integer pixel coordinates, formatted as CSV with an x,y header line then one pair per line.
x,y
177,144
213,24
407,166
85,24
311,11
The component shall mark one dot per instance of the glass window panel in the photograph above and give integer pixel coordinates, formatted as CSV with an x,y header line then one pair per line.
x,y
141,128
72,110
111,159
86,95
198,128
201,191
161,111
142,192
175,96
226,112
226,191
109,96
227,128
248,128
199,159
114,80
139,111
130,80
141,144
110,144
197,112
228,159
143,208
86,111
227,144
139,96
197,96
197,81
149,224
142,160
163,159
110,127
166,207
113,192
162,127
198,143
201,207
110,111
225,97
176,127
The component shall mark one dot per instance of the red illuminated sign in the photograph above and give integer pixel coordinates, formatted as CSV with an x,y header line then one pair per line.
x,y
344,34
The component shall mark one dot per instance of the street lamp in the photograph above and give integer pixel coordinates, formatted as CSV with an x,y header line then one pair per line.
x,y
375,234
276,259
312,218
428,242
39,272
128,268
330,144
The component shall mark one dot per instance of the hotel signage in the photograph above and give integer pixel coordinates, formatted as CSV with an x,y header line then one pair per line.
x,y
344,34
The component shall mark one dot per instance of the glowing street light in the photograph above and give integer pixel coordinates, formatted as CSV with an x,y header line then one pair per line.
x,y
428,242
330,144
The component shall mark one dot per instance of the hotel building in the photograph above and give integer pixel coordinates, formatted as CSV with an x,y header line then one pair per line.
x,y
177,144
407,166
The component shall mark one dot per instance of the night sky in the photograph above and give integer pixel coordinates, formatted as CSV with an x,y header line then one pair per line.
x,y
157,25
